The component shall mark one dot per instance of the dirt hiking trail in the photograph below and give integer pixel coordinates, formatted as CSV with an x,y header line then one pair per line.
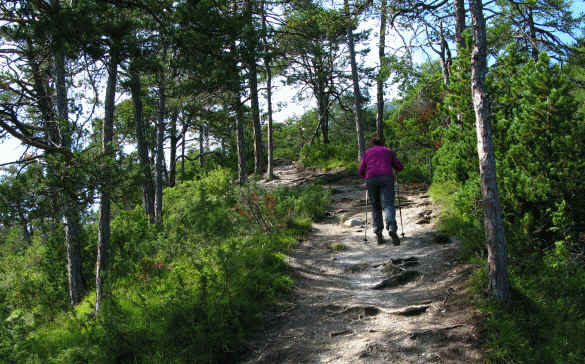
x,y
360,302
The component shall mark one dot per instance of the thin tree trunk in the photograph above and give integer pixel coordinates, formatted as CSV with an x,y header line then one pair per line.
x,y
160,169
459,24
323,114
380,82
183,145
533,40
201,146
173,156
70,209
108,152
356,86
142,147
242,173
259,163
445,57
267,65
494,231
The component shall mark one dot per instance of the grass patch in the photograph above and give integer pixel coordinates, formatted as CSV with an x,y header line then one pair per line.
x,y
337,247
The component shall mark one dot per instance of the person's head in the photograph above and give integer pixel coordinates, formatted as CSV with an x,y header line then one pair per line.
x,y
376,141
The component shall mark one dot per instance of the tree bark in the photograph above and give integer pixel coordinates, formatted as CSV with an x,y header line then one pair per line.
x,y
356,87
242,173
267,65
173,156
142,145
459,24
323,113
108,152
445,57
160,168
380,82
70,209
533,40
252,42
494,231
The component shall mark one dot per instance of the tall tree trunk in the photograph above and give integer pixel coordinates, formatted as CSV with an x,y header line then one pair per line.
x,y
142,145
459,24
494,231
160,153
173,156
70,208
267,65
252,41
108,152
380,81
356,86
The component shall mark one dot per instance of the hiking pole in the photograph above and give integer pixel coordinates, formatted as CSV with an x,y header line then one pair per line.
x,y
399,206
366,213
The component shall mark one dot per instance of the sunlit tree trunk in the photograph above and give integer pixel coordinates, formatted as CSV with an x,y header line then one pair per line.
x,y
108,152
494,230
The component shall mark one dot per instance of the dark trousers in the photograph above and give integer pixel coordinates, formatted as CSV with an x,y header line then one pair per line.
x,y
381,195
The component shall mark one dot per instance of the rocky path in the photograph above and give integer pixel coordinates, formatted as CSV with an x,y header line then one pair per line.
x,y
359,302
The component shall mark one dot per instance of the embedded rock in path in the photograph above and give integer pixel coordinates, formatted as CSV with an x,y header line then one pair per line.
x,y
354,222
398,279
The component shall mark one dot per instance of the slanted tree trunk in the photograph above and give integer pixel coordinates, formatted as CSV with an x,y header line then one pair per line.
x,y
532,29
445,57
494,230
356,86
142,145
108,152
160,154
380,81
70,209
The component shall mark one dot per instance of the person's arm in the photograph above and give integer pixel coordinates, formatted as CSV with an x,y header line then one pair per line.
x,y
363,167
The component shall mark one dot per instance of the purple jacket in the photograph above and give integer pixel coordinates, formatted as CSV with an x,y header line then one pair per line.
x,y
379,161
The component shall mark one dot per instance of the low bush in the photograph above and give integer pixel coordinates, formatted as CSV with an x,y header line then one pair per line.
x,y
190,291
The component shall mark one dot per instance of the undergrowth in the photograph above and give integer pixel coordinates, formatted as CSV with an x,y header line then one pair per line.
x,y
188,291
544,320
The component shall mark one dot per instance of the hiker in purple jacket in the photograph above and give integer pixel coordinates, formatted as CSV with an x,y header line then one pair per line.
x,y
376,167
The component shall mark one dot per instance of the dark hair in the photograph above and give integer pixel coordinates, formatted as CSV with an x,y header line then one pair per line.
x,y
376,141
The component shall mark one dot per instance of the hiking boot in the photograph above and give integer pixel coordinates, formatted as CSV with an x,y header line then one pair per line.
x,y
380,238
395,238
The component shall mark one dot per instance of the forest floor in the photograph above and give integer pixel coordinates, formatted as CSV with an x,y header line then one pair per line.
x,y
360,302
